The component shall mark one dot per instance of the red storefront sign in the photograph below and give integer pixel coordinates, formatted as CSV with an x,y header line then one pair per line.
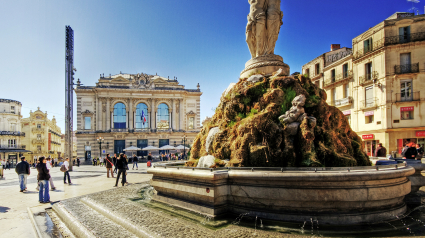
x,y
406,109
370,113
420,133
368,137
346,113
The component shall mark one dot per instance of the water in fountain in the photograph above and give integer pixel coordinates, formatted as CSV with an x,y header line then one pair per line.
x,y
412,223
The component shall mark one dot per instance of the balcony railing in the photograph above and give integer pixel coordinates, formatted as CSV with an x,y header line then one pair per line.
x,y
119,130
369,103
406,69
38,141
12,133
342,102
366,50
401,39
339,78
146,130
408,97
12,146
37,130
368,78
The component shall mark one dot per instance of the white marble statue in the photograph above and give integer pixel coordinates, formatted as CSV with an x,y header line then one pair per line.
x,y
262,30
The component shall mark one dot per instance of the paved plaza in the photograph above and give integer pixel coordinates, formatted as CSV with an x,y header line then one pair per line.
x,y
14,217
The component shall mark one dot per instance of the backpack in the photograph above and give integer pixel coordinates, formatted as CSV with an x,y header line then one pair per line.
x,y
63,168
148,164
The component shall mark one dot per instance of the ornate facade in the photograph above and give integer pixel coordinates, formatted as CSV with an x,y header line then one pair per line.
x,y
42,136
134,110
10,131
382,83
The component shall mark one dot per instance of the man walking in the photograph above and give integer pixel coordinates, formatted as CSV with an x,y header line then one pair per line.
x,y
66,172
23,170
380,151
122,167
411,151
78,162
135,160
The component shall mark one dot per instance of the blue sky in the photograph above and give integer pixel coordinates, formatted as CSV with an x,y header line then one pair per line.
x,y
199,41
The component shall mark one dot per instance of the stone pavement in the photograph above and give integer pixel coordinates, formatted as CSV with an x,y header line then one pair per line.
x,y
14,218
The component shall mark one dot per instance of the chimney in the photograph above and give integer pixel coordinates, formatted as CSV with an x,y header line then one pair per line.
x,y
335,47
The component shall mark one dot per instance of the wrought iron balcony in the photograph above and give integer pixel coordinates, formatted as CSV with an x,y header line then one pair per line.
x,y
406,69
38,141
12,133
145,130
119,130
368,78
339,78
402,39
369,103
37,130
367,50
12,146
408,97
342,102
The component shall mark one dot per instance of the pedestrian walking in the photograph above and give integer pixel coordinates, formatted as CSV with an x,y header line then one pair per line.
x,y
23,170
65,171
43,181
7,164
420,152
101,161
78,162
135,160
122,169
380,151
49,167
410,152
115,162
109,165
56,162
3,164
73,162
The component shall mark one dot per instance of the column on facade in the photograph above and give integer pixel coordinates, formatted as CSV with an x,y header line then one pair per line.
x,y
170,117
108,114
153,114
98,116
130,115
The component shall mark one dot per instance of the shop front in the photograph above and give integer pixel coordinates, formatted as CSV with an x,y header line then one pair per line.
x,y
369,144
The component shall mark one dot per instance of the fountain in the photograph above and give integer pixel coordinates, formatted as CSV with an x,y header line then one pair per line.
x,y
275,149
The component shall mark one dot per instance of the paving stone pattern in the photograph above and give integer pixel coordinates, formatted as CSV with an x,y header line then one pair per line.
x,y
151,220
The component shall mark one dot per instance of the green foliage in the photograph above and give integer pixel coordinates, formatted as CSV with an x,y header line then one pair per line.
x,y
231,124
252,112
246,100
312,101
289,95
240,116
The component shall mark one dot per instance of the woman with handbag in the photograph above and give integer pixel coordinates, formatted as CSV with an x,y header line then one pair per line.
x,y
122,169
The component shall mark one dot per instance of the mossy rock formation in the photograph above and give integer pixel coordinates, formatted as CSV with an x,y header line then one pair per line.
x,y
252,136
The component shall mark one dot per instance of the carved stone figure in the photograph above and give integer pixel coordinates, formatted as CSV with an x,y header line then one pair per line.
x,y
296,113
262,30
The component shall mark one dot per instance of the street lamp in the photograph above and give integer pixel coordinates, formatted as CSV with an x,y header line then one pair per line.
x,y
184,137
100,141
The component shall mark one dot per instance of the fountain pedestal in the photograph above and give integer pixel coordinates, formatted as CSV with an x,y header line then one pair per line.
x,y
338,196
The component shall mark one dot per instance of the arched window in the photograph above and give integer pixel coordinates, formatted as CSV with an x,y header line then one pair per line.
x,y
163,117
142,117
120,116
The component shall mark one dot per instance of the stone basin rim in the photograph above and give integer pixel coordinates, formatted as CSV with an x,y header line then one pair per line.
x,y
177,165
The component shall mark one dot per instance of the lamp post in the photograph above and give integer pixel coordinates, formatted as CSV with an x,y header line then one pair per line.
x,y
100,141
184,137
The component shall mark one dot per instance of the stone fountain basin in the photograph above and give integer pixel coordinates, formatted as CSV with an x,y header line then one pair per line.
x,y
335,196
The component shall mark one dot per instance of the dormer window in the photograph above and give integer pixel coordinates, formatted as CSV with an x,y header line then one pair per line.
x,y
12,109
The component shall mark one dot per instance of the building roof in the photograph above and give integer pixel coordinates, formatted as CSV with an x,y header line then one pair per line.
x,y
10,101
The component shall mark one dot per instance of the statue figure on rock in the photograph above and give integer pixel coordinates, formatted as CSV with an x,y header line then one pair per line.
x,y
262,30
